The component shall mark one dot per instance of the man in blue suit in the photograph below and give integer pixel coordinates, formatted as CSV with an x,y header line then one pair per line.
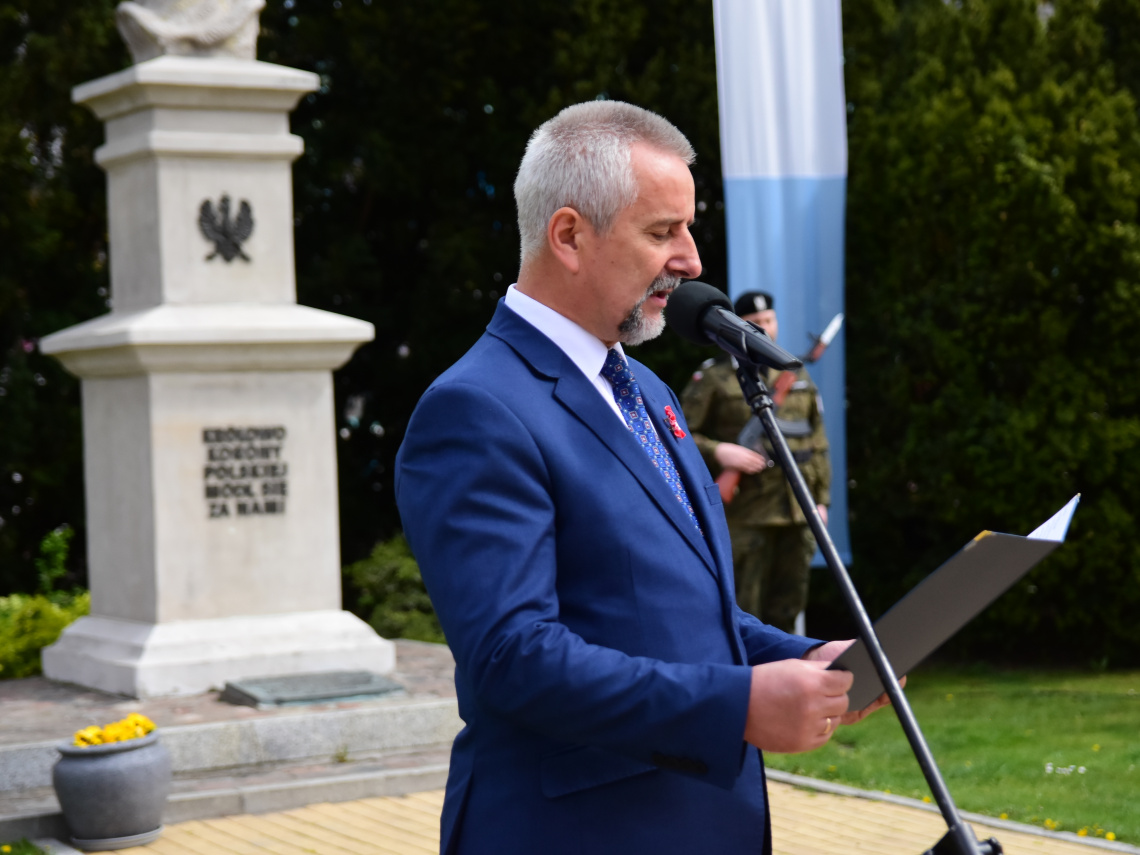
x,y
574,544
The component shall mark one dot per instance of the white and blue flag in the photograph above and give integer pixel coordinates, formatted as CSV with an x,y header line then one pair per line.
x,y
783,131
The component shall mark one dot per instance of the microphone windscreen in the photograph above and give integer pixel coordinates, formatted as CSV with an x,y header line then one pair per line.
x,y
688,304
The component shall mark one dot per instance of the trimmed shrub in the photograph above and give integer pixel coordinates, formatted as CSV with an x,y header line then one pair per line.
x,y
29,623
390,593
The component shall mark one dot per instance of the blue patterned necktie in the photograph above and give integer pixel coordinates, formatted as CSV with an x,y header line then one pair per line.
x,y
628,397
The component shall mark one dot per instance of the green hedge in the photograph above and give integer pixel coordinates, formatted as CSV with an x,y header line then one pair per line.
x,y
29,623
993,270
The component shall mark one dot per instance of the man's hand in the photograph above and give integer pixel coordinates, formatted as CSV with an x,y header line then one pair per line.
x,y
732,456
828,653
795,705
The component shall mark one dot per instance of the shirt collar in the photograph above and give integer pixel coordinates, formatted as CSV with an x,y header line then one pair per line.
x,y
585,349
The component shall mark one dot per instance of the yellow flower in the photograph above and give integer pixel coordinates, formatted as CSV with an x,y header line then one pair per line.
x,y
1110,836
950,696
89,736
5,848
1003,815
832,768
1084,832
1096,747
926,799
1052,824
141,723
133,726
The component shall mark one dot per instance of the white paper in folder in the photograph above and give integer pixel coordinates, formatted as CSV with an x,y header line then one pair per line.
x,y
948,599
1057,526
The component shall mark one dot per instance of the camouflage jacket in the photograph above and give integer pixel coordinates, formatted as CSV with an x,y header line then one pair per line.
x,y
716,412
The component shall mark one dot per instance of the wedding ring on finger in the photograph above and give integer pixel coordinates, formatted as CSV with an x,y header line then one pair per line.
x,y
828,731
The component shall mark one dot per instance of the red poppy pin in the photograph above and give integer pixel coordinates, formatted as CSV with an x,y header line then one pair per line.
x,y
677,432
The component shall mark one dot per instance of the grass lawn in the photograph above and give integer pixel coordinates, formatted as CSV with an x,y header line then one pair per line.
x,y
1059,750
20,847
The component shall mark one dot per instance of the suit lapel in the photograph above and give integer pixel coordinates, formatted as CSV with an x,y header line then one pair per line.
x,y
692,467
577,394
693,473
581,398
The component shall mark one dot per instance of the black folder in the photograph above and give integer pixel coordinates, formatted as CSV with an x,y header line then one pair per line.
x,y
948,599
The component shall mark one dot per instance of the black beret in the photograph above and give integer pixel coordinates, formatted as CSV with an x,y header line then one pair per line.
x,y
753,301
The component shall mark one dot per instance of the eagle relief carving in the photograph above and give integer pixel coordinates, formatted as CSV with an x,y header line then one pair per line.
x,y
153,28
225,233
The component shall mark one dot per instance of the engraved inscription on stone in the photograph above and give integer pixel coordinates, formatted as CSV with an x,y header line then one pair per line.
x,y
245,473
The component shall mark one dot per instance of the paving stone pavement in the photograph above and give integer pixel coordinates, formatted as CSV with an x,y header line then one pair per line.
x,y
234,759
805,822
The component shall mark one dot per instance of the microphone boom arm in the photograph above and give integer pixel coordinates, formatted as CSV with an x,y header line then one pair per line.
x,y
959,839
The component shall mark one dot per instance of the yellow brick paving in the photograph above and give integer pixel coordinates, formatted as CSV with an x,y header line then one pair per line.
x,y
806,822
803,823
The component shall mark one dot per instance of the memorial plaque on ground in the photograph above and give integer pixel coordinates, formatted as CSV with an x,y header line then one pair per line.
x,y
309,688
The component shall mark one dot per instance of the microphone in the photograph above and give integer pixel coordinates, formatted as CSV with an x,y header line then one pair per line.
x,y
702,314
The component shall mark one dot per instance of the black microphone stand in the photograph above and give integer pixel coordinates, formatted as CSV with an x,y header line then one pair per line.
x,y
959,839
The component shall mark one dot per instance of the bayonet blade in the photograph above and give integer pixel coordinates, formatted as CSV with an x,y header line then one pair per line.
x,y
832,330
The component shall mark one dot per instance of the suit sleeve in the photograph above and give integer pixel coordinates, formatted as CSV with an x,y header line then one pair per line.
x,y
474,495
763,643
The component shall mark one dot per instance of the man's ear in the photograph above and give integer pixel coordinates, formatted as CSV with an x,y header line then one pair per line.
x,y
564,233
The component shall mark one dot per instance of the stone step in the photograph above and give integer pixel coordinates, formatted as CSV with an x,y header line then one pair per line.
x,y
34,813
236,759
379,727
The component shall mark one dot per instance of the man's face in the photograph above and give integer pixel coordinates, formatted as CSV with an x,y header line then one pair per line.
x,y
632,269
766,320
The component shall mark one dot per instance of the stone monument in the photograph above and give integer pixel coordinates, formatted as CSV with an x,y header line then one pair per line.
x,y
209,434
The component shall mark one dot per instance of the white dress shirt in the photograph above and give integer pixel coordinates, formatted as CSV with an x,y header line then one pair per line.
x,y
585,349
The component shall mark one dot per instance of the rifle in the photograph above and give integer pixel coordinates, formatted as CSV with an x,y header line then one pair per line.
x,y
729,480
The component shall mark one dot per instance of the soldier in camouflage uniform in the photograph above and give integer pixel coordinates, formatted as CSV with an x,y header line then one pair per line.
x,y
772,545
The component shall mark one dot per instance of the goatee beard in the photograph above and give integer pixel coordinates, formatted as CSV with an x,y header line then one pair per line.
x,y
637,328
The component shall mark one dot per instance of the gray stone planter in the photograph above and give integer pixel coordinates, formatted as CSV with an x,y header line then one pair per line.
x,y
112,795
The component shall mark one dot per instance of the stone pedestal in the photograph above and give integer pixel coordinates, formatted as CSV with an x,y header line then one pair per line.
x,y
209,435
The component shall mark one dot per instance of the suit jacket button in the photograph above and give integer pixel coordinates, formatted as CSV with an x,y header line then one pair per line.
x,y
696,767
680,764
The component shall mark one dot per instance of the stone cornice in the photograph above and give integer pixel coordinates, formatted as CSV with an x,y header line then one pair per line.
x,y
196,82
216,337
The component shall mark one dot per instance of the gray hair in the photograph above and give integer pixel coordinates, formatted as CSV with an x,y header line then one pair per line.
x,y
581,159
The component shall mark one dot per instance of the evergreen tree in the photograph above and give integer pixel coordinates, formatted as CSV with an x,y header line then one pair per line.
x,y
993,268
405,210
53,235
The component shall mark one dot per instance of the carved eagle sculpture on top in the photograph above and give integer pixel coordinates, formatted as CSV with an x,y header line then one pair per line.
x,y
227,235
154,28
